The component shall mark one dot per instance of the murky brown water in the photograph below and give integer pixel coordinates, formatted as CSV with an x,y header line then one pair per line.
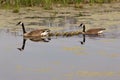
x,y
62,58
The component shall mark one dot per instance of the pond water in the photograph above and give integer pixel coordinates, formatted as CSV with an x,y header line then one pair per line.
x,y
62,58
81,57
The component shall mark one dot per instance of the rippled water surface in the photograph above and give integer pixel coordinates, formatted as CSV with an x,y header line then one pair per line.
x,y
80,57
62,58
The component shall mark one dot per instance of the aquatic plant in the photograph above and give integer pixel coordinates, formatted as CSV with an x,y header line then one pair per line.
x,y
16,10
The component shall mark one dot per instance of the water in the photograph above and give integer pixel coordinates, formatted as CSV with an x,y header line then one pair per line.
x,y
62,58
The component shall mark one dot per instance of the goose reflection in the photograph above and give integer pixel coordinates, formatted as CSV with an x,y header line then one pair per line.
x,y
23,45
94,37
34,39
83,41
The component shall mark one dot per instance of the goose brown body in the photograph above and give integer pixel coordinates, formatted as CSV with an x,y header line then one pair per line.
x,y
94,31
34,33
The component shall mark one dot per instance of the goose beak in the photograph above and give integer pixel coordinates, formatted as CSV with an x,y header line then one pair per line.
x,y
18,23
81,25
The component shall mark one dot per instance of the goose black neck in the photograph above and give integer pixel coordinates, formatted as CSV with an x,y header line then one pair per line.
x,y
23,46
82,42
83,28
23,27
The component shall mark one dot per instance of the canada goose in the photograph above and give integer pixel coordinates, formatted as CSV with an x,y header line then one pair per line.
x,y
34,33
83,41
93,31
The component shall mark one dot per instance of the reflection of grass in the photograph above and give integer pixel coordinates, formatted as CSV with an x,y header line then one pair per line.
x,y
92,74
80,53
80,14
75,49
112,55
108,54
43,70
95,74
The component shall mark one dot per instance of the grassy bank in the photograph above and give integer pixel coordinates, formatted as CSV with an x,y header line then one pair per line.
x,y
47,4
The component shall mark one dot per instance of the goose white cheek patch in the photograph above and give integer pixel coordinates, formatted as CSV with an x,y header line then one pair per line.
x,y
44,33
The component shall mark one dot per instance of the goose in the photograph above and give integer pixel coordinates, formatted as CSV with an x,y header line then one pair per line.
x,y
93,31
34,33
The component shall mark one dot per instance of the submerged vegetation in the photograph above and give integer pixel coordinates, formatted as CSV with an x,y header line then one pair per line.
x,y
47,4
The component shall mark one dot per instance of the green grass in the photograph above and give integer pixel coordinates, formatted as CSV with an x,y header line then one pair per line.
x,y
15,10
46,4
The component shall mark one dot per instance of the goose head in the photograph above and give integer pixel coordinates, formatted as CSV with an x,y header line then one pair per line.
x,y
22,24
81,25
19,23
